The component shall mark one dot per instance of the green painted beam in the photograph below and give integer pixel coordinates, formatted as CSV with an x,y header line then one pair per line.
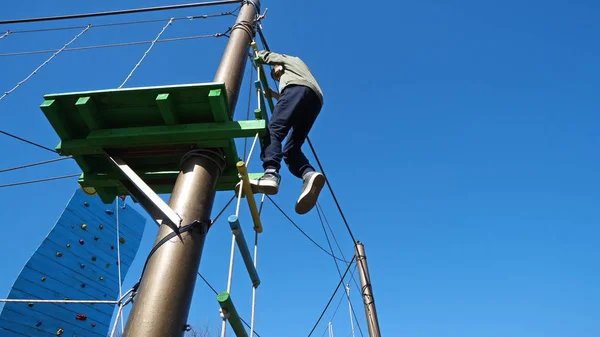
x,y
234,319
218,103
89,113
175,134
56,119
167,109
81,147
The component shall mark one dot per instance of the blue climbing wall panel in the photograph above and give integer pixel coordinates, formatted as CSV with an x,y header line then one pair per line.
x,y
77,261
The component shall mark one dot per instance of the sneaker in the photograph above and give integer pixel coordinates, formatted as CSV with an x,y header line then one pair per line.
x,y
267,184
313,182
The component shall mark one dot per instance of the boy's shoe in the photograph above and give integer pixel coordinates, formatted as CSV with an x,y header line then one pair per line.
x,y
267,184
312,184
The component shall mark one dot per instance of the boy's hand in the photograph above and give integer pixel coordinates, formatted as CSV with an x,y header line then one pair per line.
x,y
274,94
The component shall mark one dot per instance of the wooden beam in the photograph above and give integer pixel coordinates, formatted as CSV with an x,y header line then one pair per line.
x,y
88,112
167,109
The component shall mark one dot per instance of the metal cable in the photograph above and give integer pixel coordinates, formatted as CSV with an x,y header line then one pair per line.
x,y
40,180
304,233
332,296
320,208
146,53
45,62
338,268
122,44
27,141
34,164
7,33
120,12
122,23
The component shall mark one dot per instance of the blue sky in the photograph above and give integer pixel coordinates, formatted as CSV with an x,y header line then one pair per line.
x,y
460,138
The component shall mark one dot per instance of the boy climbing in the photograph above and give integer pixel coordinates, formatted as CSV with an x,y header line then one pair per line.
x,y
299,103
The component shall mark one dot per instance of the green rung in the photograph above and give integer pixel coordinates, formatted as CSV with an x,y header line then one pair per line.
x,y
149,128
234,319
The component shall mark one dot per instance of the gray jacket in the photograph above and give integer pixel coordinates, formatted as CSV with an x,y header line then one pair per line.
x,y
295,71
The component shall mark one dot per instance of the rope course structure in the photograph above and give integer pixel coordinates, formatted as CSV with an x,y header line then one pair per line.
x,y
143,189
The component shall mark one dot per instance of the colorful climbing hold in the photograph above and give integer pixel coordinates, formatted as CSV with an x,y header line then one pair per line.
x,y
96,238
93,325
108,211
81,242
82,266
38,323
60,332
107,265
93,258
117,263
81,317
83,285
101,278
68,245
72,226
66,298
101,227
86,204
112,247
122,240
84,226
58,254
30,304
44,279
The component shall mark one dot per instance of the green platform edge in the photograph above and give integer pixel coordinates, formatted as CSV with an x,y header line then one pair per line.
x,y
172,119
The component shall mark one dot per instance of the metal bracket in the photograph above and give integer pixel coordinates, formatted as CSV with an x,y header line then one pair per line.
x,y
147,198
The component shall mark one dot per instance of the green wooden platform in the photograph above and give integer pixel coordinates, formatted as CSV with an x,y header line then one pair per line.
x,y
149,128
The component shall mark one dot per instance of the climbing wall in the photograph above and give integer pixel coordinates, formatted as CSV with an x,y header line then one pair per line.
x,y
78,261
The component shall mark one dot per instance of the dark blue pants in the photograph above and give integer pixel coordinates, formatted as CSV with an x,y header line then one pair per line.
x,y
297,109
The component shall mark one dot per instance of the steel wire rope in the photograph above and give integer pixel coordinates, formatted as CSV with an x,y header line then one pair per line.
x,y
122,23
338,269
303,232
332,296
320,208
44,63
21,139
146,53
40,180
120,12
121,44
34,164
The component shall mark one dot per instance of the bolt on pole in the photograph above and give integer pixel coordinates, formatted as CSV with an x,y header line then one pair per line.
x,y
367,291
164,296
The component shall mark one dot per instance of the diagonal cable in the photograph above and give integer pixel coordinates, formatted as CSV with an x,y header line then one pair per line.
x,y
40,180
7,33
34,164
121,44
320,208
27,141
332,296
303,232
338,270
45,62
146,53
